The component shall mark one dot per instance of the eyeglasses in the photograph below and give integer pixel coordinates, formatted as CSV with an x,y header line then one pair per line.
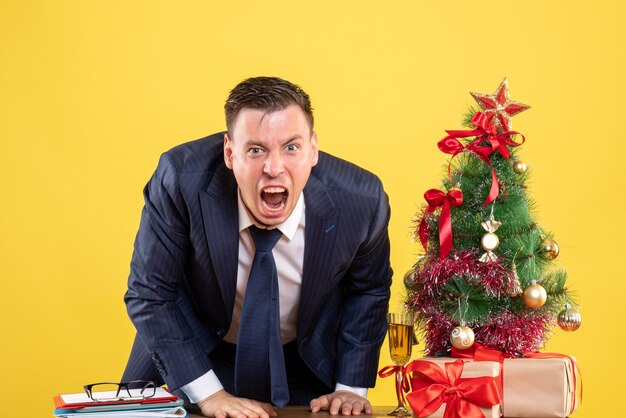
x,y
109,391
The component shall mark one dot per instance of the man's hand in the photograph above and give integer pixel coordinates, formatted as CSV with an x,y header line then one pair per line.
x,y
344,401
224,405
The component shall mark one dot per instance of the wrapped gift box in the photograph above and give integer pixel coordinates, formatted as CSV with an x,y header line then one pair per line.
x,y
539,387
471,369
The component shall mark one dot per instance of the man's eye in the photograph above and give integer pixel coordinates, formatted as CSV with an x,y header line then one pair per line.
x,y
292,147
255,151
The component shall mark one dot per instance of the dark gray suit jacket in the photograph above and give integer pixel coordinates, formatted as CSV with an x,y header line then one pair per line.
x,y
181,288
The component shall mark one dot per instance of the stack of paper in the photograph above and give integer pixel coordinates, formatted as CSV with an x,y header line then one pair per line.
x,y
163,405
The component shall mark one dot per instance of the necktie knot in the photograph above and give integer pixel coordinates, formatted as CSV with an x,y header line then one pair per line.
x,y
264,239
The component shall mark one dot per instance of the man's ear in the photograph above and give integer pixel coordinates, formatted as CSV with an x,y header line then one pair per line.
x,y
314,149
228,151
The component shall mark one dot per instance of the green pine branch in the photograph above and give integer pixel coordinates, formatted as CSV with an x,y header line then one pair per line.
x,y
465,300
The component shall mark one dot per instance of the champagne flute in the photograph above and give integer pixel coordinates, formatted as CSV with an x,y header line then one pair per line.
x,y
400,330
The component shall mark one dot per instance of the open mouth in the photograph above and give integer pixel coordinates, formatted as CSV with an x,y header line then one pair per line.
x,y
274,198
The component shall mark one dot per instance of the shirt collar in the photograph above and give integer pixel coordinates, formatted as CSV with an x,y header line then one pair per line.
x,y
288,228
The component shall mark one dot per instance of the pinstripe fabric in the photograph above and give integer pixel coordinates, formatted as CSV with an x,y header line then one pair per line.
x,y
182,283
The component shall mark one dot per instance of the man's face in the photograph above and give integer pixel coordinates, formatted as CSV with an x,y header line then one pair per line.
x,y
271,155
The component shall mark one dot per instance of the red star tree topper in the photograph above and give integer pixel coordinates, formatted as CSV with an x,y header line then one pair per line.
x,y
498,107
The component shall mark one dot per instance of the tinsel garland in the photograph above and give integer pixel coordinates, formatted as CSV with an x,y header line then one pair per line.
x,y
506,332
516,334
511,332
432,273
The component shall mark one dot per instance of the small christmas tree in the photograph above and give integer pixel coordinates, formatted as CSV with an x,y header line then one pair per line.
x,y
487,274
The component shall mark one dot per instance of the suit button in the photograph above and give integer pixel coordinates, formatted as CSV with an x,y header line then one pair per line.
x,y
220,333
154,355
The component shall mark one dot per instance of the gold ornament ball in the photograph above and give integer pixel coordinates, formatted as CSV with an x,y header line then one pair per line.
x,y
520,167
549,249
569,319
535,296
409,279
457,188
490,241
462,337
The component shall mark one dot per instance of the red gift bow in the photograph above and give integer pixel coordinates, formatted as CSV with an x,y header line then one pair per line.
x,y
479,352
435,199
498,142
463,396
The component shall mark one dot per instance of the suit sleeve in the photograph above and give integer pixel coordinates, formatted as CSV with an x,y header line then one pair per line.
x,y
157,270
363,318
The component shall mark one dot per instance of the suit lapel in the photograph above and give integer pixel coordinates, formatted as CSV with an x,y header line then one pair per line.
x,y
221,224
322,225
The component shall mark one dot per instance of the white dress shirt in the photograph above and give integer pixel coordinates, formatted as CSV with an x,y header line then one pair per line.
x,y
289,258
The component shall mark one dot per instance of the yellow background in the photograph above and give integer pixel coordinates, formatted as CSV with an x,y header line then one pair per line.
x,y
92,92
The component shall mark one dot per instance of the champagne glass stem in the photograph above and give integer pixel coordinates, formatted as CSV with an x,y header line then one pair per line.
x,y
399,376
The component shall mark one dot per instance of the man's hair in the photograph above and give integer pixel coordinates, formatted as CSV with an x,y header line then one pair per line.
x,y
266,93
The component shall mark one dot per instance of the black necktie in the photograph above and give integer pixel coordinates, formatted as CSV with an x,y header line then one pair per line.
x,y
260,364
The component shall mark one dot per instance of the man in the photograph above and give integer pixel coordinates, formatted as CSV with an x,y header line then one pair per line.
x,y
195,256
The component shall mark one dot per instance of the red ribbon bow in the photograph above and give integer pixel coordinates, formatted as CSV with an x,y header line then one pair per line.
x,y
484,131
498,141
401,387
435,199
431,387
391,370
